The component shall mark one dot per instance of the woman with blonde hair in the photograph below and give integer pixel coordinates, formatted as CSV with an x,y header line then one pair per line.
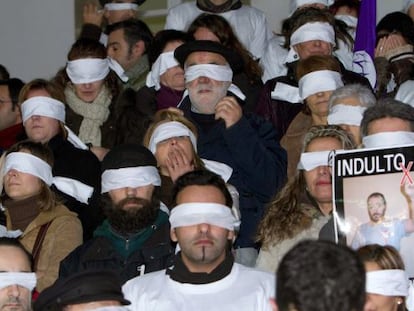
x,y
172,138
303,208
49,230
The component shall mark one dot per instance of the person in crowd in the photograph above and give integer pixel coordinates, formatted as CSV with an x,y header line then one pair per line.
x,y
303,208
312,32
320,275
84,291
91,90
394,54
276,55
172,139
318,77
43,113
165,82
388,123
113,11
386,280
408,8
49,230
17,281
381,229
4,73
217,28
204,275
248,23
134,238
346,107
246,143
348,12
128,45
11,127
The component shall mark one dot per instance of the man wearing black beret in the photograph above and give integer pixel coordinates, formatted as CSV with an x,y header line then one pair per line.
x,y
246,143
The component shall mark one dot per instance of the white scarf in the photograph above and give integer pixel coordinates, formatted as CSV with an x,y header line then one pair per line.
x,y
94,114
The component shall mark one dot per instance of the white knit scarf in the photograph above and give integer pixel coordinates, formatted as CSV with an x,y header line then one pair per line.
x,y
94,114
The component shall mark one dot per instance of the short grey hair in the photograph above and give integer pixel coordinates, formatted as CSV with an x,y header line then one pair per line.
x,y
364,95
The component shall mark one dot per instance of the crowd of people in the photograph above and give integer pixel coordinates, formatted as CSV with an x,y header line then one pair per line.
x,y
190,169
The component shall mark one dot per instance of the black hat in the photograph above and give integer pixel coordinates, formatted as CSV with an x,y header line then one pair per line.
x,y
82,287
128,155
233,58
103,2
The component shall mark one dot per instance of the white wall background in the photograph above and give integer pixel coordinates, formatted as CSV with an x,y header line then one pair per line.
x,y
35,35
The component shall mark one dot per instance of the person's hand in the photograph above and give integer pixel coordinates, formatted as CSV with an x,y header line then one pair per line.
x,y
408,191
91,14
229,110
389,43
178,163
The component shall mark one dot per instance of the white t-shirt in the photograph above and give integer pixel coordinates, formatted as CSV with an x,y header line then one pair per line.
x,y
244,289
249,24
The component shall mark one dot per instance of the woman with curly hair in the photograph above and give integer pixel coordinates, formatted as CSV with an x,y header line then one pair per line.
x,y
302,209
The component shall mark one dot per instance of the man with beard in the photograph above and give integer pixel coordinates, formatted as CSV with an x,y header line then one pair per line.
x,y
16,278
134,239
204,276
380,230
244,142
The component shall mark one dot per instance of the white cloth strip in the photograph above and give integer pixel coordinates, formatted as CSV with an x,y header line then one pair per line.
x,y
24,279
30,164
74,188
215,72
310,160
319,81
189,214
87,70
75,140
388,139
346,114
9,233
121,6
164,62
387,282
130,177
236,91
221,169
313,31
286,92
117,68
299,3
168,130
43,106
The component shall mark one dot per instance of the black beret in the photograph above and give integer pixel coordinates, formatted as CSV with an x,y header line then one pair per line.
x,y
233,58
128,155
82,287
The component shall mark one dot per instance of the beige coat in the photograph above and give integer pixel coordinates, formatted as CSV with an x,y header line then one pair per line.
x,y
63,235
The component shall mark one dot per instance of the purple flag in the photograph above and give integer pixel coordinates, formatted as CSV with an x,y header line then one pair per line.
x,y
365,39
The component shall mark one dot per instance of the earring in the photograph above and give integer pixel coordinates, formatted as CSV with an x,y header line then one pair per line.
x,y
399,301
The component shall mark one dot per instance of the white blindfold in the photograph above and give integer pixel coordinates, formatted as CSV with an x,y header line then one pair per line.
x,y
319,81
87,70
189,214
130,177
